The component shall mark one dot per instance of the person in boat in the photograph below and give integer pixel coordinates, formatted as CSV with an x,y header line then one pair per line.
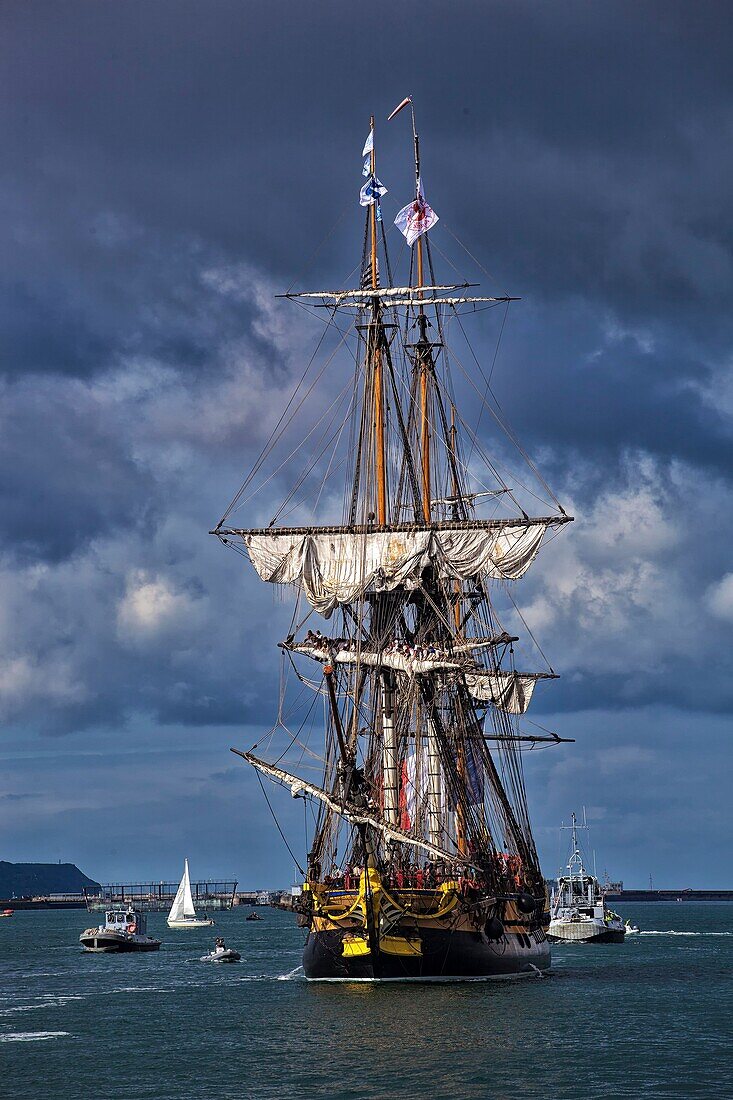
x,y
219,946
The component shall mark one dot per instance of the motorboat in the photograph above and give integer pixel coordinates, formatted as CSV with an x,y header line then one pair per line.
x,y
578,910
183,913
221,954
253,916
123,930
6,913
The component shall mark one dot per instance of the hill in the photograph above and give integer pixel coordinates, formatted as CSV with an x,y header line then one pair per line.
x,y
40,879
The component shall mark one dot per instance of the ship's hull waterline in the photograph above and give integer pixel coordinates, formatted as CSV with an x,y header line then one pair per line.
x,y
589,935
444,954
108,943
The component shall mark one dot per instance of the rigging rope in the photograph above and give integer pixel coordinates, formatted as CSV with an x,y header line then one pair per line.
x,y
277,825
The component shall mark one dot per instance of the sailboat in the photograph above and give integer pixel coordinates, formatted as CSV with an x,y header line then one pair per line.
x,y
421,863
183,913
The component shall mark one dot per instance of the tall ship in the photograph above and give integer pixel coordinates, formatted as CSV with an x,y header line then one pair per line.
x,y
400,709
578,909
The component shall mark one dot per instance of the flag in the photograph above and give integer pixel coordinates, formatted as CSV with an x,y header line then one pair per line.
x,y
366,278
405,101
366,170
416,218
474,774
368,144
372,192
408,792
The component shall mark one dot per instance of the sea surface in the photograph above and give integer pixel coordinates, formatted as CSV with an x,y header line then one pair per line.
x,y
650,1018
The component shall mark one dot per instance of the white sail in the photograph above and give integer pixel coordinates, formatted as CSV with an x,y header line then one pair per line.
x,y
338,567
377,292
182,907
398,661
509,691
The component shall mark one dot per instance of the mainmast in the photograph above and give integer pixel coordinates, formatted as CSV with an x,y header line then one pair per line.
x,y
424,348
423,357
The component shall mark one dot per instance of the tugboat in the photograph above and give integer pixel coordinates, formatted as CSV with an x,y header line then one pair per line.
x,y
121,931
578,911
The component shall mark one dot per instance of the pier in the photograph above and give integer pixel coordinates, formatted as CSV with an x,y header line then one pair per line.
x,y
157,897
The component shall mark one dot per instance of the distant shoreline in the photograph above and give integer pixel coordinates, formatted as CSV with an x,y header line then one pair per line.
x,y
671,895
41,903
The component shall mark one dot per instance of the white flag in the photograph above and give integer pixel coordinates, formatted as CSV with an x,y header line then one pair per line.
x,y
416,218
368,144
371,192
367,168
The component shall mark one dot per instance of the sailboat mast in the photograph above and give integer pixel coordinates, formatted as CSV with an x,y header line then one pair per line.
x,y
424,404
390,770
376,351
422,322
373,209
455,491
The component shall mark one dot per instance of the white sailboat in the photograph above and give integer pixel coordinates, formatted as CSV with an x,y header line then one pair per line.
x,y
183,914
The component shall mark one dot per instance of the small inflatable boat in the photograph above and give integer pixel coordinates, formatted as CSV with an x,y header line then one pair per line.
x,y
226,956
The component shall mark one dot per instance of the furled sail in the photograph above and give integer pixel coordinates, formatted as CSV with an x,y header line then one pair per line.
x,y
338,566
509,691
413,666
182,907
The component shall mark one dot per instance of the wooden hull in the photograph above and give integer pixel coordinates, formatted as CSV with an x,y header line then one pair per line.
x,y
444,954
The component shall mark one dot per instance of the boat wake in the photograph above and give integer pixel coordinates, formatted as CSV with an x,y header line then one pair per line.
x,y
292,975
58,1000
671,932
31,1036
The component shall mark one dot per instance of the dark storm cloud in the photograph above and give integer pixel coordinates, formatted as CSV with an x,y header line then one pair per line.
x,y
586,151
167,167
585,156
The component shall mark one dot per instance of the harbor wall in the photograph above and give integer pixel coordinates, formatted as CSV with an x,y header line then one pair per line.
x,y
670,895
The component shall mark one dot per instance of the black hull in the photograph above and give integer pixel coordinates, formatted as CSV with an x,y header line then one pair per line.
x,y
445,955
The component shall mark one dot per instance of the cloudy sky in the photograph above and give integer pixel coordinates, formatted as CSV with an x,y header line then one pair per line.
x,y
167,168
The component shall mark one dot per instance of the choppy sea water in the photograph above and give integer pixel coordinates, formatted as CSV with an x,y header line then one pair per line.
x,y
650,1018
